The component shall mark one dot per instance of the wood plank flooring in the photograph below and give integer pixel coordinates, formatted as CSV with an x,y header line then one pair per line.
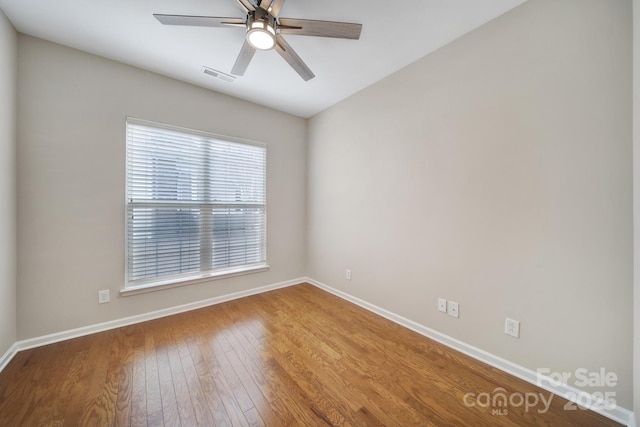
x,y
293,357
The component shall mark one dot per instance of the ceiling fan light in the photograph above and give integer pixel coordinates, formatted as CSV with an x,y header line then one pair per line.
x,y
261,35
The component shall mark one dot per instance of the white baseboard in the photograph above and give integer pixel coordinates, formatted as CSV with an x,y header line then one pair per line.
x,y
618,414
8,355
92,329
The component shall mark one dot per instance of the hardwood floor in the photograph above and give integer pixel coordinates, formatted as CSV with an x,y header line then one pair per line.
x,y
296,356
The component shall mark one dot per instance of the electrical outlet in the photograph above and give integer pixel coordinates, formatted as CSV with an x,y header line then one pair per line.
x,y
442,305
103,296
347,274
452,309
512,327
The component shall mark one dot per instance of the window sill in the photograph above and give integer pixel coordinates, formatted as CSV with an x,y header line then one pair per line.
x,y
184,281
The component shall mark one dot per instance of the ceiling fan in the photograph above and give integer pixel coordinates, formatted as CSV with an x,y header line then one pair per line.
x,y
265,29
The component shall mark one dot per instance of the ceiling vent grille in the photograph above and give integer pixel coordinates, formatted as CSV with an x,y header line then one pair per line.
x,y
218,74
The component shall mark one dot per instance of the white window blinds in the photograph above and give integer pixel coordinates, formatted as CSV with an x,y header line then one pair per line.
x,y
195,204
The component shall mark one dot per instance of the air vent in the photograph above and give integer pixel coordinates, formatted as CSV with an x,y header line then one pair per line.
x,y
218,74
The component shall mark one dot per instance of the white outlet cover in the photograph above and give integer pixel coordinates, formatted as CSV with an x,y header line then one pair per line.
x,y
347,274
442,305
103,297
452,309
512,327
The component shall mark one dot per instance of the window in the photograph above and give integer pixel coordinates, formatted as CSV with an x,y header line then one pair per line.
x,y
195,205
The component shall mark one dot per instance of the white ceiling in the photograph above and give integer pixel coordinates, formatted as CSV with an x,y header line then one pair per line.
x,y
394,35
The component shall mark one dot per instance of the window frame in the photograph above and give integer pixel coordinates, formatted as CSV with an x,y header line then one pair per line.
x,y
183,279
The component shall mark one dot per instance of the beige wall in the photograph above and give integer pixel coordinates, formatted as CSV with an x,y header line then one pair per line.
x,y
497,173
8,80
71,182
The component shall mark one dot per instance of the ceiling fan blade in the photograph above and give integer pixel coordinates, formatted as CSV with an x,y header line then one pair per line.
x,y
265,4
199,21
310,27
290,55
246,5
276,5
243,60
272,6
